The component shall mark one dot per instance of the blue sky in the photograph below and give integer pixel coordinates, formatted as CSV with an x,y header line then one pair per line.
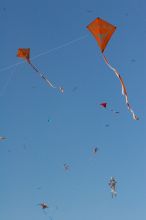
x,y
46,129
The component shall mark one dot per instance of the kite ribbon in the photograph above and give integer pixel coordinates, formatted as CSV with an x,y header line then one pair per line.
x,y
41,74
124,92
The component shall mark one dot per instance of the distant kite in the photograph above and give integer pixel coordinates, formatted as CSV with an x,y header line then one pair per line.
x,y
44,205
102,31
104,105
49,120
24,53
112,183
95,149
66,166
2,138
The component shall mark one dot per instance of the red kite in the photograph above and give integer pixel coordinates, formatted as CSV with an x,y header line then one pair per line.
x,y
103,31
24,53
104,105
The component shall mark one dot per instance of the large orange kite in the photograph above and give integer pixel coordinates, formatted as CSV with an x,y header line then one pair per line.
x,y
102,31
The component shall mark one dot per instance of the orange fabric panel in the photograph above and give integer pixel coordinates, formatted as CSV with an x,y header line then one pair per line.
x,y
102,31
24,53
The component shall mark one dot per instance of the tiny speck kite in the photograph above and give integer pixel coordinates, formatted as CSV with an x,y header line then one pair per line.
x,y
24,53
66,166
44,205
95,149
102,31
2,138
112,183
104,105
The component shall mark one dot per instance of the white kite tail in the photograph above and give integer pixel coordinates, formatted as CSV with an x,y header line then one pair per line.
x,y
124,91
43,77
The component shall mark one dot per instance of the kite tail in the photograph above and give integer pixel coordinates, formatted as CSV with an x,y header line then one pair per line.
x,y
124,91
41,74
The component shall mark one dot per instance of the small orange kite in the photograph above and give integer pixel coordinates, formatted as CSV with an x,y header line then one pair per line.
x,y
24,53
103,31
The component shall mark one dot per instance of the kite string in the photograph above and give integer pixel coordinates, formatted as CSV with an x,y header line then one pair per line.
x,y
124,92
47,52
60,47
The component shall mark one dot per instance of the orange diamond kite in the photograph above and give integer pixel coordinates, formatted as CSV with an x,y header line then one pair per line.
x,y
24,53
102,31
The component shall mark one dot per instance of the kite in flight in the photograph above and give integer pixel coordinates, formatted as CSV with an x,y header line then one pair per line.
x,y
95,149
112,183
66,166
24,53
104,105
44,205
2,138
102,31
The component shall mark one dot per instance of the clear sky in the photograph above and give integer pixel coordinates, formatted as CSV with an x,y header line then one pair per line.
x,y
46,129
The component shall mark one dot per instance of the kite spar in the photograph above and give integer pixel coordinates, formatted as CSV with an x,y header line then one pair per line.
x,y
24,53
102,31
